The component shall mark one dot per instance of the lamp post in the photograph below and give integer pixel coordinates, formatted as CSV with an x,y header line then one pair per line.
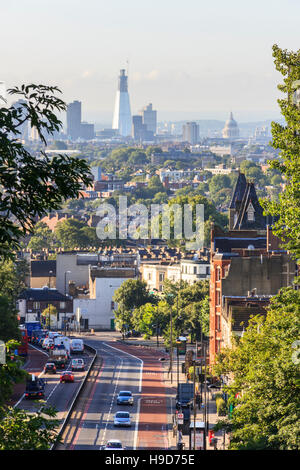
x,y
50,273
65,322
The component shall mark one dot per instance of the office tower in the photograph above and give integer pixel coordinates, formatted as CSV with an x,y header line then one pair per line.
x,y
87,131
138,127
74,120
122,114
150,118
191,133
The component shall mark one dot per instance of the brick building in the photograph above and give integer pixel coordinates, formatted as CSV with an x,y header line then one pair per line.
x,y
247,267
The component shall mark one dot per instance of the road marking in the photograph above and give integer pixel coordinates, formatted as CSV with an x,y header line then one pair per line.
x,y
140,390
112,402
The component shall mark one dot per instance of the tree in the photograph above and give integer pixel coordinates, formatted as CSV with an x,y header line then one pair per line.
x,y
49,316
73,233
8,319
132,294
32,185
42,238
286,138
20,430
264,365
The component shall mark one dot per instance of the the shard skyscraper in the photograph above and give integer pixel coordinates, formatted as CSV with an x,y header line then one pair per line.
x,y
122,121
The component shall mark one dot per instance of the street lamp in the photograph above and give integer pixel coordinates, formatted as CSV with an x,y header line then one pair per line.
x,y
50,273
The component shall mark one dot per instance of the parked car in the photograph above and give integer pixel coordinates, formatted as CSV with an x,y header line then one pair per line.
x,y
113,444
50,367
122,418
125,398
67,376
77,364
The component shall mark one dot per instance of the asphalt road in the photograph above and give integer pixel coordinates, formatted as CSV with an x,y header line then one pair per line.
x,y
119,371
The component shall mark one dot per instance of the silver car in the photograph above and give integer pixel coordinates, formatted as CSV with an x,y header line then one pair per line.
x,y
122,418
125,398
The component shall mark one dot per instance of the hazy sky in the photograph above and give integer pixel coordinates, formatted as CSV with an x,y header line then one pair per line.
x,y
196,59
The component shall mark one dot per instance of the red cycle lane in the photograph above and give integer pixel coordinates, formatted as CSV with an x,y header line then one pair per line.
x,y
153,414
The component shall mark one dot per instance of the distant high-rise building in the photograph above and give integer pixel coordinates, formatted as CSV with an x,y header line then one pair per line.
x,y
150,118
122,114
231,130
87,131
74,120
190,132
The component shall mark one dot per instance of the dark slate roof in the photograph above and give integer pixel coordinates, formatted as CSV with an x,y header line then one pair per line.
x,y
242,222
42,268
226,244
43,294
239,191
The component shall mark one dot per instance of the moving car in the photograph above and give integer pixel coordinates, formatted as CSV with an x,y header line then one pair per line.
x,y
50,367
125,398
76,346
122,418
35,387
113,444
77,364
67,376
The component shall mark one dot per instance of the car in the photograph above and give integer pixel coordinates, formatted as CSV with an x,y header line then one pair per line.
x,y
125,398
122,418
67,376
35,387
50,367
77,364
113,444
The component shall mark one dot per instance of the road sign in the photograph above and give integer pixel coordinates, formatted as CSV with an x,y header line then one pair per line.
x,y
180,418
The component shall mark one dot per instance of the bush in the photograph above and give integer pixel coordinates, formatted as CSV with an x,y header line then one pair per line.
x,y
221,406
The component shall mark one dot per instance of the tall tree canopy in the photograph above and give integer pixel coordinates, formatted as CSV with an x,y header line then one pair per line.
x,y
286,138
32,185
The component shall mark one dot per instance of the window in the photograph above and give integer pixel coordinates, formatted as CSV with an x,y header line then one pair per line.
x,y
218,297
250,213
195,269
149,277
36,305
62,305
161,277
218,274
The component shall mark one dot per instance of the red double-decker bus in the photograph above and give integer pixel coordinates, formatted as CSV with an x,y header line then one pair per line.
x,y
23,348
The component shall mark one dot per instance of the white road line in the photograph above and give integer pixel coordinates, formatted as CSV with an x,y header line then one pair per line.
x,y
140,390
141,361
112,403
136,424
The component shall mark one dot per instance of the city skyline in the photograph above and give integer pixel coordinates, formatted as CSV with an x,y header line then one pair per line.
x,y
195,61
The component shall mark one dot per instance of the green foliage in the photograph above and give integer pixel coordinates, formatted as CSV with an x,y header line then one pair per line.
x,y
32,185
20,430
286,138
265,369
72,233
49,316
132,294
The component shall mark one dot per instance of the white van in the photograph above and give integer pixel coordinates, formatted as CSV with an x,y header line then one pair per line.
x,y
63,341
77,346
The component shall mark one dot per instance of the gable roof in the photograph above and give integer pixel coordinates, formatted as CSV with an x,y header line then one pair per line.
x,y
242,222
239,191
